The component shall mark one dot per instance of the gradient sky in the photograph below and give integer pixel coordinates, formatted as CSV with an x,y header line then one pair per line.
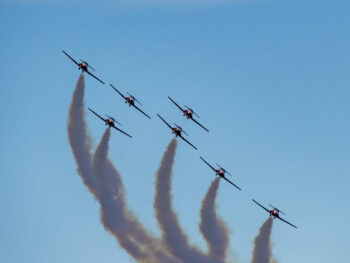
x,y
270,79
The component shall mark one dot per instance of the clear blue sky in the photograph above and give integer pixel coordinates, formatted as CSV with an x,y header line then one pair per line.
x,y
270,80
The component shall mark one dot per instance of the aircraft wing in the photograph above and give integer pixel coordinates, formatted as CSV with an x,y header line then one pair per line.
x,y
92,75
141,111
122,131
231,183
200,124
207,163
96,114
285,221
175,104
117,91
165,122
188,142
70,57
267,210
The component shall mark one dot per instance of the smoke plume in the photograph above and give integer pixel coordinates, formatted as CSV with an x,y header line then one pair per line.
x,y
212,226
78,136
262,245
174,236
104,182
110,199
115,215
108,190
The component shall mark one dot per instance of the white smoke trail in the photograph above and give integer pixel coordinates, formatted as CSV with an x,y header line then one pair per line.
x,y
79,139
262,243
78,136
115,215
173,235
80,144
212,227
112,216
104,182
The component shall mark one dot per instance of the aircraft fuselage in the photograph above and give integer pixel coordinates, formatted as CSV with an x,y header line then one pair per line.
x,y
220,172
83,67
109,122
176,131
274,213
130,100
188,114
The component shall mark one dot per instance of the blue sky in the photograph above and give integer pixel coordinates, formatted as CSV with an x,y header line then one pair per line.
x,y
268,78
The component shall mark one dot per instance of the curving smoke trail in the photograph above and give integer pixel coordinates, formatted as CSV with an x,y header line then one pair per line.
x,y
111,200
212,227
104,182
262,245
115,215
132,237
78,136
173,235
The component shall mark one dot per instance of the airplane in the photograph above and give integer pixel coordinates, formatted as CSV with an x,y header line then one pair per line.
x,y
177,130
130,100
84,66
110,121
114,120
274,212
189,113
220,172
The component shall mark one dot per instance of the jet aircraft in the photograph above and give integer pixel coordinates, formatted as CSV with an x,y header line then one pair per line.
x,y
274,212
84,66
177,130
220,172
130,100
188,112
110,121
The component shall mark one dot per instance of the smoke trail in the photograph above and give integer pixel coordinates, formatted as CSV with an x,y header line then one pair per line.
x,y
212,227
107,188
114,213
111,216
262,246
78,136
175,238
80,143
79,139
